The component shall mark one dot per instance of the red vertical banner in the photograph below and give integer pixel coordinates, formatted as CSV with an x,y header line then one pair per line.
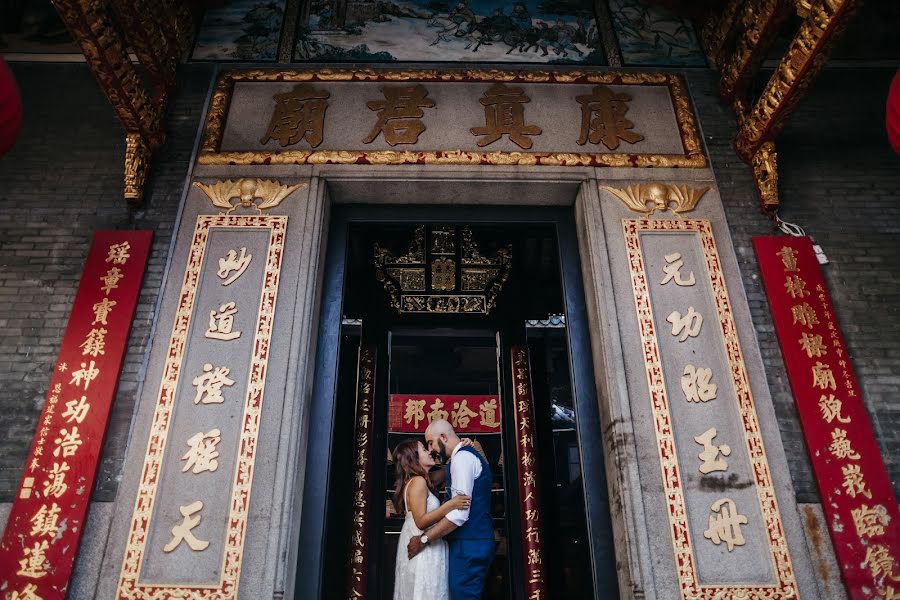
x,y
358,565
529,482
41,540
857,497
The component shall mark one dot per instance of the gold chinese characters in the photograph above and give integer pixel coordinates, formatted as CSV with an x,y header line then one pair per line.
x,y
300,116
64,446
482,414
725,524
209,389
529,484
696,383
400,114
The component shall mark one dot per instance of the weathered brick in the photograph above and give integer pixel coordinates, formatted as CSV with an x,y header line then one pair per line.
x,y
62,181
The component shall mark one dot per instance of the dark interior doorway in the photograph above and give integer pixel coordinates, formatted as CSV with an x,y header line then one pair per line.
x,y
458,354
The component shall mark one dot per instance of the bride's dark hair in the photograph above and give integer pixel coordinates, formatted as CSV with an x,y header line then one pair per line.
x,y
406,465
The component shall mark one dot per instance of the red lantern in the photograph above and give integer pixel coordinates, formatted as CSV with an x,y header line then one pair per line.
x,y
10,109
892,119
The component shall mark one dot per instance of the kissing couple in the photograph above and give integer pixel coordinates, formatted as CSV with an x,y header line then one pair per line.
x,y
445,550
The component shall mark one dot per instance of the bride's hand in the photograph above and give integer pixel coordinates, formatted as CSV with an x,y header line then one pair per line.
x,y
461,502
466,442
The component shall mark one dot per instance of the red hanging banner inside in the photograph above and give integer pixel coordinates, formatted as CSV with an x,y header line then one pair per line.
x,y
411,413
857,497
47,517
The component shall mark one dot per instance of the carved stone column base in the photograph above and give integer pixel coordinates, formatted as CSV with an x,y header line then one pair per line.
x,y
765,175
137,167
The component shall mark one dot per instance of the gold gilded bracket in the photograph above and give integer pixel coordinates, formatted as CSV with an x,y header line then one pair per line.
x,y
158,32
646,198
137,166
765,175
261,194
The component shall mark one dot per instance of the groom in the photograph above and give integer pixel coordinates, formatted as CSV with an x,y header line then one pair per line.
x,y
470,533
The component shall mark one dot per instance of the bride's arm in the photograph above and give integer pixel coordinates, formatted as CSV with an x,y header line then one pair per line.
x,y
418,499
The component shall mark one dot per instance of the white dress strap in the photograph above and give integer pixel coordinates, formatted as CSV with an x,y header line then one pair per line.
x,y
405,496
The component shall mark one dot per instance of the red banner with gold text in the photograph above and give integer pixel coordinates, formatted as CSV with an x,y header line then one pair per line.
x,y
47,517
857,497
411,413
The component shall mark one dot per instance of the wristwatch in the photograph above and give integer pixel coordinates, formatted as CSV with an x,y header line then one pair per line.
x,y
424,539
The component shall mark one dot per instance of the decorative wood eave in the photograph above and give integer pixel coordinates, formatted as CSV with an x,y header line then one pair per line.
x,y
737,38
159,33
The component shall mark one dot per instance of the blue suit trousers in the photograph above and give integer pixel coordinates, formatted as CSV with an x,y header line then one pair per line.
x,y
470,561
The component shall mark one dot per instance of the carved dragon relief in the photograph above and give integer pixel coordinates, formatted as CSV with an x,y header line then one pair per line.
x,y
646,198
261,194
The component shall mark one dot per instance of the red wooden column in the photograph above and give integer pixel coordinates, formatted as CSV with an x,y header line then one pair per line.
x,y
358,564
527,477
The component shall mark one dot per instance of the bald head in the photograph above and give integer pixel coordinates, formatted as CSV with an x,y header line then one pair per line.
x,y
440,437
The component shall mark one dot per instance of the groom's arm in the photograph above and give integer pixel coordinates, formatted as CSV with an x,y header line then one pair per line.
x,y
464,468
443,527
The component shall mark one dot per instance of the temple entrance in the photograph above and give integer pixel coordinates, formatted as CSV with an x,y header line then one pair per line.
x,y
464,320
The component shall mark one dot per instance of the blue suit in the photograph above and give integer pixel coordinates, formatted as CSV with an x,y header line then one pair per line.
x,y
472,544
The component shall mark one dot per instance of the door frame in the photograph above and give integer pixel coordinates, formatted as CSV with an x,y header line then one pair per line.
x,y
309,575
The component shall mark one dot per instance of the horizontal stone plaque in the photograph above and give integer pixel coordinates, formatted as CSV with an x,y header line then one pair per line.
x,y
457,117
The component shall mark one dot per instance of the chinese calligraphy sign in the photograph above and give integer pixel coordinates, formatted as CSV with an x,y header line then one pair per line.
x,y
411,413
726,540
857,497
193,497
529,488
298,115
39,546
346,116
504,114
357,566
400,114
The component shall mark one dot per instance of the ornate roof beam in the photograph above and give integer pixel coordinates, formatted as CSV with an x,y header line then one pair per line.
x,y
104,29
758,23
823,23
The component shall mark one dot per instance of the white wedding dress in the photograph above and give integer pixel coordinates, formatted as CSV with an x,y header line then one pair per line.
x,y
425,576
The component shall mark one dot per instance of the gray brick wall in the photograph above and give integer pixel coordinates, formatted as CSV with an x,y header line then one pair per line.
x,y
841,181
62,181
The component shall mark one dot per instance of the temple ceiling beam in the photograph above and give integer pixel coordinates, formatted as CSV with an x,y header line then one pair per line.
x,y
156,31
737,39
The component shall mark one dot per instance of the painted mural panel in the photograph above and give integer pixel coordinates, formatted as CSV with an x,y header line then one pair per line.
x,y
247,30
528,31
649,34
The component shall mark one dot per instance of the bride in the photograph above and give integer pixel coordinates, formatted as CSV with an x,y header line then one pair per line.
x,y
425,576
